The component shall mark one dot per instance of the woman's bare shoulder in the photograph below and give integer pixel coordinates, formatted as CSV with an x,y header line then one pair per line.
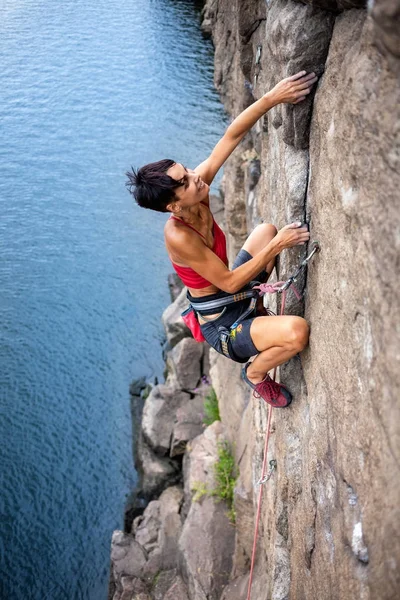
x,y
175,233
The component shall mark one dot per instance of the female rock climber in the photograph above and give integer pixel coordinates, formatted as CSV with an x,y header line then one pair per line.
x,y
197,249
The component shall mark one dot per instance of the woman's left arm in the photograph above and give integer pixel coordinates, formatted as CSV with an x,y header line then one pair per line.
x,y
293,90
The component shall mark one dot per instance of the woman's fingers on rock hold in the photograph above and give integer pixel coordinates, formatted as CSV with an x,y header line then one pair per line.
x,y
294,225
294,234
305,85
297,75
302,77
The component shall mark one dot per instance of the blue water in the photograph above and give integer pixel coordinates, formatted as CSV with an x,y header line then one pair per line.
x,y
87,90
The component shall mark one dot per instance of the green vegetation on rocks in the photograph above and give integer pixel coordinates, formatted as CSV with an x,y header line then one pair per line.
x,y
211,410
225,474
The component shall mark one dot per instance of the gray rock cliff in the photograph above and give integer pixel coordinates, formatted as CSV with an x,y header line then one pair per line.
x,y
330,516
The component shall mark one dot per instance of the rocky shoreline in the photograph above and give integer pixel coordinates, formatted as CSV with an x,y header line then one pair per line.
x,y
176,548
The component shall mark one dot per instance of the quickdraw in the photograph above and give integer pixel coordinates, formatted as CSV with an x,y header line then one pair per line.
x,y
289,282
272,467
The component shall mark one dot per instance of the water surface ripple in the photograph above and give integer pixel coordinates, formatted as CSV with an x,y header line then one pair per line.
x,y
87,89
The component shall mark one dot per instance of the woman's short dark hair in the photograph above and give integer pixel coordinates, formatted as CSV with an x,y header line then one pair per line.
x,y
151,186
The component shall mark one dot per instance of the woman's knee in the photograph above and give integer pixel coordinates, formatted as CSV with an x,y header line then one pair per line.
x,y
266,230
298,333
259,238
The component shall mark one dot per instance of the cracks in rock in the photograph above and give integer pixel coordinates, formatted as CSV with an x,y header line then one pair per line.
x,y
311,541
252,29
353,499
282,525
241,456
310,533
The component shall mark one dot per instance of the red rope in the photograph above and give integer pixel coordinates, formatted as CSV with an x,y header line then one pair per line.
x,y
263,470
260,493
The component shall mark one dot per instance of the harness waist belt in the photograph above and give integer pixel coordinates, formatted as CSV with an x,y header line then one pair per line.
x,y
220,302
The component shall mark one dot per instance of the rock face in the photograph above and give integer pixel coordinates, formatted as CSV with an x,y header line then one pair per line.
x,y
174,326
206,543
184,362
329,522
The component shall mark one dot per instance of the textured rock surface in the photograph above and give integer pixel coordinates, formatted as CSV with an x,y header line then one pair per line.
x,y
237,589
145,528
170,586
174,326
185,363
199,460
175,286
188,424
159,416
386,17
329,521
177,591
170,526
207,539
335,5
127,561
231,393
156,472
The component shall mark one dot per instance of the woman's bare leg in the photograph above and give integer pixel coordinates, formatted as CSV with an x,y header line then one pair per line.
x,y
258,239
278,339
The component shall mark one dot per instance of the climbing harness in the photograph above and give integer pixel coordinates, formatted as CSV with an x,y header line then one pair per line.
x,y
280,287
189,315
224,332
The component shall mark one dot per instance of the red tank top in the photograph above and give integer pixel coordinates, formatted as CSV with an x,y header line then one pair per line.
x,y
188,276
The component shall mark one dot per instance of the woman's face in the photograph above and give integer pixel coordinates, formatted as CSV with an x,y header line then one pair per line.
x,y
194,190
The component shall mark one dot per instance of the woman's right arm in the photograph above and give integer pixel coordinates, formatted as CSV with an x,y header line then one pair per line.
x,y
189,249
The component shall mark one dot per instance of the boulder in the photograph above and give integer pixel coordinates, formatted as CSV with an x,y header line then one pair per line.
x,y
155,472
188,424
152,567
199,460
137,386
159,416
175,328
127,561
206,548
232,393
207,541
169,586
145,528
170,526
132,589
175,286
184,361
236,589
158,531
177,591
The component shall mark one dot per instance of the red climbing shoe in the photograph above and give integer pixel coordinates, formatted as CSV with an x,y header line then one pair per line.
x,y
275,394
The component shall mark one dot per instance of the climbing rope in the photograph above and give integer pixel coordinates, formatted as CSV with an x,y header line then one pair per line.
x,y
280,287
